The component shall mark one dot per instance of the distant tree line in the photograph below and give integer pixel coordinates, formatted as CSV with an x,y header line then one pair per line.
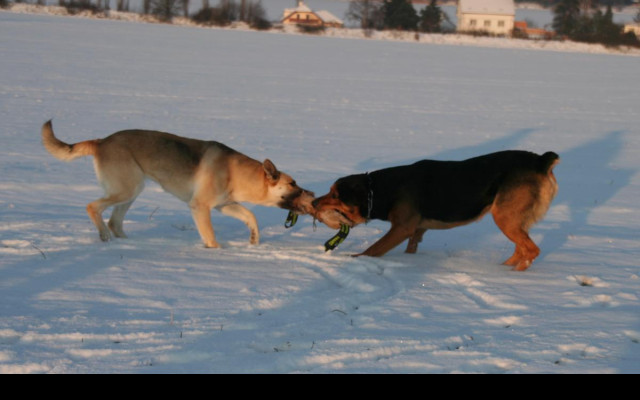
x,y
228,11
553,3
396,15
584,21
578,20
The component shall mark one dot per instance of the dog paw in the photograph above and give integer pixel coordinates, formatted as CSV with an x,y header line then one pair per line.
x,y
105,236
119,234
512,262
523,265
254,239
117,230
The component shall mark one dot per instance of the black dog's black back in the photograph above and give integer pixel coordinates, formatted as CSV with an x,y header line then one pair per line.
x,y
448,191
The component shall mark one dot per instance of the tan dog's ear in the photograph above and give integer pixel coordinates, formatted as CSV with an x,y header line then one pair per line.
x,y
273,175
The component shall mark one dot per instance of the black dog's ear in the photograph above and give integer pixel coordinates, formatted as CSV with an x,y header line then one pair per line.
x,y
273,175
354,191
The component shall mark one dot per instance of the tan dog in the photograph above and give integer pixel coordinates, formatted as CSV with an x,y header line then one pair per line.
x,y
203,174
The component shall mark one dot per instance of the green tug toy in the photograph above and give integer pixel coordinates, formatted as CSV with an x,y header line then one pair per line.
x,y
292,218
337,239
332,243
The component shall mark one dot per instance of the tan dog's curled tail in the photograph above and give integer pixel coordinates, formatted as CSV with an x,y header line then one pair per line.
x,y
63,151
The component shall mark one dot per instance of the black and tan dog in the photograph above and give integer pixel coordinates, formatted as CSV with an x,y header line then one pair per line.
x,y
517,187
203,174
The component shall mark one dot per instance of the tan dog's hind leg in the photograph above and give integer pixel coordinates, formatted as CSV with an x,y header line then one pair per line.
x,y
122,185
240,212
117,219
96,208
117,216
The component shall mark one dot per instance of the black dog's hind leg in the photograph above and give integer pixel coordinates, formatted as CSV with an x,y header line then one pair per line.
x,y
415,240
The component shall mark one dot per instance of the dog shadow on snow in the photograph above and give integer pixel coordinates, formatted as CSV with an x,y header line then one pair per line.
x,y
587,179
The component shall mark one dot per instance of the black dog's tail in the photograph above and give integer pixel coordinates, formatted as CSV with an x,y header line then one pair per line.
x,y
547,161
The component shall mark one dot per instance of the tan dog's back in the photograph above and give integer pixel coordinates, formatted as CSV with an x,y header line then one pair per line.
x,y
170,160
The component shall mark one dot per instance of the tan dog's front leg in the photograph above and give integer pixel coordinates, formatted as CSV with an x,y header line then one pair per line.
x,y
202,217
240,212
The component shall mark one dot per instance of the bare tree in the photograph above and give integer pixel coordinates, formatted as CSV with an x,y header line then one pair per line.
x,y
223,14
256,16
185,8
242,11
367,12
122,5
588,6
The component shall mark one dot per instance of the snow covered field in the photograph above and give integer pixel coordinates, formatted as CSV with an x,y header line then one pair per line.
x,y
321,108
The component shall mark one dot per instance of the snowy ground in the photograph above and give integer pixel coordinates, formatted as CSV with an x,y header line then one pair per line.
x,y
321,108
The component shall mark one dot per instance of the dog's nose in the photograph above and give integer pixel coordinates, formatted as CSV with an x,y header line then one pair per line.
x,y
315,203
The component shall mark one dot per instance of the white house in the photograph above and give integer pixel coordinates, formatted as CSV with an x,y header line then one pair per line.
x,y
492,16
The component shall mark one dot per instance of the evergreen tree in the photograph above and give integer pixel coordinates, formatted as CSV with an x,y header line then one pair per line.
x,y
590,25
400,14
431,18
226,12
566,17
607,31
